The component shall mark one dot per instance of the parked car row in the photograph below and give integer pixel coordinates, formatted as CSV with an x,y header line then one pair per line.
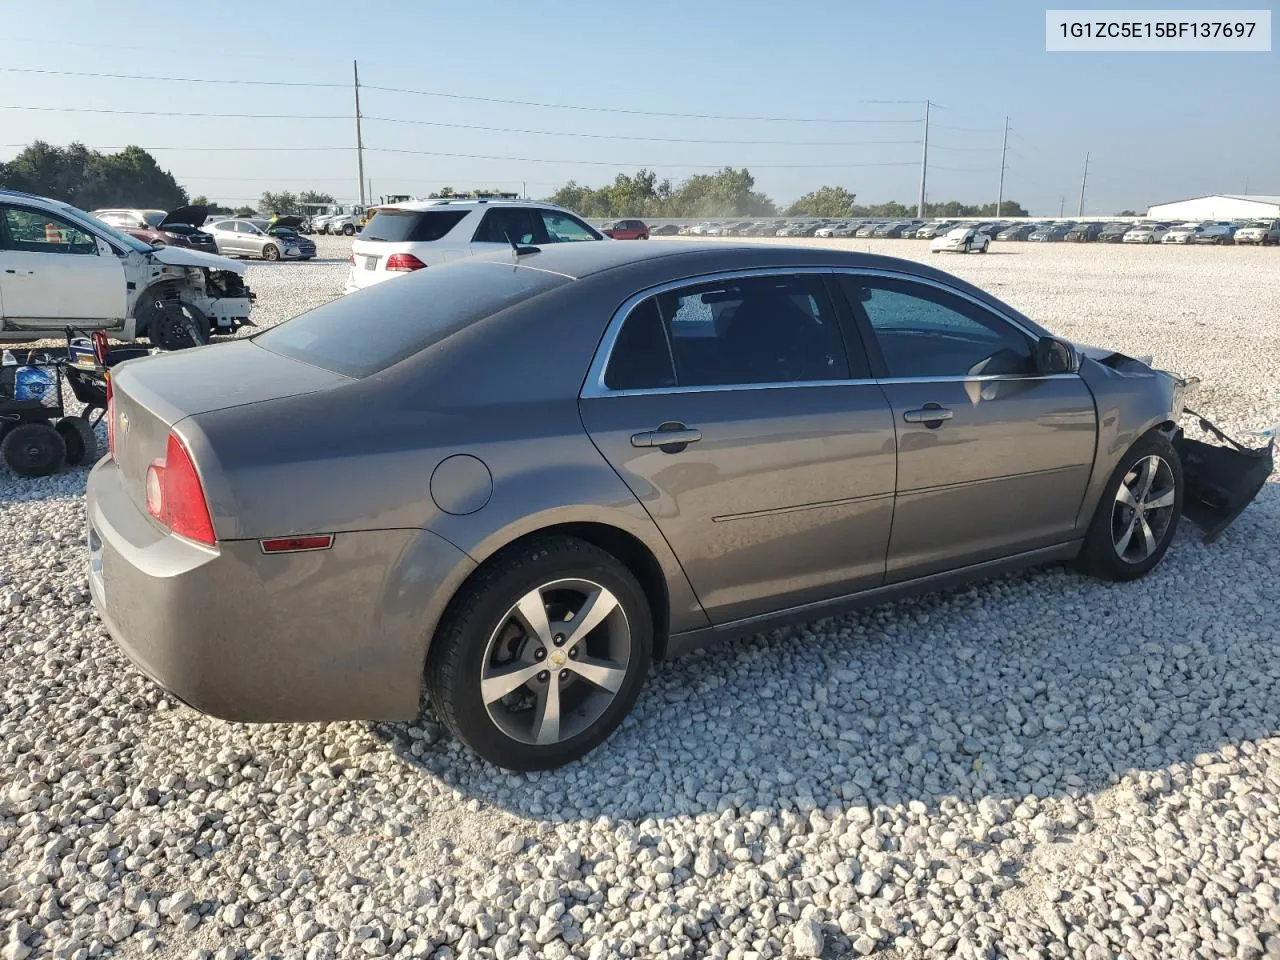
x,y
1260,232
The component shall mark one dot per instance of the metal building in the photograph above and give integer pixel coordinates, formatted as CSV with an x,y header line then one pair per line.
x,y
1222,206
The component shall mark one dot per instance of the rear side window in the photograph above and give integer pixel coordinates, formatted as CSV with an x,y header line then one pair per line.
x,y
411,226
364,333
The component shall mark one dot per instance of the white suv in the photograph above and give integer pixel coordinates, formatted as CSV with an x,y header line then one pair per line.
x,y
409,236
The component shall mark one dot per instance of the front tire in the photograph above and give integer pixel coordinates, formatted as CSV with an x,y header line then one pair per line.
x,y
542,654
348,230
270,252
1138,513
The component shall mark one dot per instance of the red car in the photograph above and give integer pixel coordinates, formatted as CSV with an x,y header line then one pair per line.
x,y
626,230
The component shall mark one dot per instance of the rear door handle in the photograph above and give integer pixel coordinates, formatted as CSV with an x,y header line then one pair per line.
x,y
671,437
931,414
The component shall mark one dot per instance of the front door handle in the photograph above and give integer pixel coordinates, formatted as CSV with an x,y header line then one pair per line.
x,y
670,437
931,415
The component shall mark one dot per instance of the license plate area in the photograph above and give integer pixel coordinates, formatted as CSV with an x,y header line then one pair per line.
x,y
370,263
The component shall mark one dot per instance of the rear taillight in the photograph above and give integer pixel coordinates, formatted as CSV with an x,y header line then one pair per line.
x,y
175,496
352,259
111,419
403,263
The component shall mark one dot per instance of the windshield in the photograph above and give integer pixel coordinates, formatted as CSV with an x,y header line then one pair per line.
x,y
153,217
117,236
1257,225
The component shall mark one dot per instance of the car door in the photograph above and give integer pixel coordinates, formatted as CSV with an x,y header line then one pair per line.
x,y
993,457
758,445
53,271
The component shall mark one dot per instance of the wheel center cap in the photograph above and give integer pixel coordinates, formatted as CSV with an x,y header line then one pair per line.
x,y
557,658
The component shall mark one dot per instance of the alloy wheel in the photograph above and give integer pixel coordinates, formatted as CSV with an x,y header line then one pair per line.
x,y
1143,509
556,661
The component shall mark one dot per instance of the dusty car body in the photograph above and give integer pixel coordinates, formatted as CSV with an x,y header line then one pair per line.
x,y
686,467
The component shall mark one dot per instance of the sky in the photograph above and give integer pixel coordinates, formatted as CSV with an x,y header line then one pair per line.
x,y
803,84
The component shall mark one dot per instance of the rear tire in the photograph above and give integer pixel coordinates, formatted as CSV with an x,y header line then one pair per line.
x,y
484,634
33,450
348,230
79,439
1116,546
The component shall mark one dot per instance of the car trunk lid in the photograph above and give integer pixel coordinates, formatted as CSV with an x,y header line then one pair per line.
x,y
150,395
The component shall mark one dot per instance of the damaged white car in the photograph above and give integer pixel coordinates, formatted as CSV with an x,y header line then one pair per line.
x,y
61,267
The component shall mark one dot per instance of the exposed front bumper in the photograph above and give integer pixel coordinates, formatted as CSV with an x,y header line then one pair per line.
x,y
339,634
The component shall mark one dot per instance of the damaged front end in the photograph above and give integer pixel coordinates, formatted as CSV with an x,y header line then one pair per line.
x,y
1221,476
1220,479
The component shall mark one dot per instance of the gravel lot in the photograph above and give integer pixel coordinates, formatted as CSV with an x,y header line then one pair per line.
x,y
1036,766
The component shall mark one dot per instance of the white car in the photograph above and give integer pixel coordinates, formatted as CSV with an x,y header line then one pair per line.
x,y
836,230
961,240
60,267
1261,232
1145,233
1181,233
409,236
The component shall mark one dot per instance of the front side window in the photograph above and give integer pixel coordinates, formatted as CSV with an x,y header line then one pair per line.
x,y
562,228
34,231
776,329
926,332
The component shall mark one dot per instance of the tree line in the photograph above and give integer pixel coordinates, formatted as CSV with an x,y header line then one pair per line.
x,y
132,178
732,193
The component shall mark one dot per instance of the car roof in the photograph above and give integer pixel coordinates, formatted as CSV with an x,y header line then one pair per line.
x,y
466,202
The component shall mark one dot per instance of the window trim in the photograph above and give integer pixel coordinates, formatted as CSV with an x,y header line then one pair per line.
x,y
594,387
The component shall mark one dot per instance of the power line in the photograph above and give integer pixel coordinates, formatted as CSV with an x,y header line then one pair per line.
x,y
40,71
621,136
130,76
654,166
180,113
646,113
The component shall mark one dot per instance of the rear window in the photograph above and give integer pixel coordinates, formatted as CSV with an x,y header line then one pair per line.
x,y
411,226
363,333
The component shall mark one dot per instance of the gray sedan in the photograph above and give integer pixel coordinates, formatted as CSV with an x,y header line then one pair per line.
x,y
256,237
527,476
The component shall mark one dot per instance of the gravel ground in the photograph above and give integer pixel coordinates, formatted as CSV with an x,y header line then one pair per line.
x,y
1035,766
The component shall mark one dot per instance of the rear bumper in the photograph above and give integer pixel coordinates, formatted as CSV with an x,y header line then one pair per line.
x,y
333,635
360,279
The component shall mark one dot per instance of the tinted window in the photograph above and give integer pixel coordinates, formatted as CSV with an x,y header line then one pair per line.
x,y
411,226
926,332
504,225
754,330
396,320
33,231
641,357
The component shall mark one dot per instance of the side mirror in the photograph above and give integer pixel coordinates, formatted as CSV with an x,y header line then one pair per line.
x,y
1055,356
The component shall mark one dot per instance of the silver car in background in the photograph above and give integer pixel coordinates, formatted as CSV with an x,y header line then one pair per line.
x,y
304,525
256,237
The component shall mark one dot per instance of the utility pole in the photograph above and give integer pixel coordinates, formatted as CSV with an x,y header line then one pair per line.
x,y
355,72
1003,149
1083,181
1062,203
924,161
1246,184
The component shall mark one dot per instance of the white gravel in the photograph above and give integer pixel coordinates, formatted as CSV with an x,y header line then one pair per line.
x,y
1036,766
